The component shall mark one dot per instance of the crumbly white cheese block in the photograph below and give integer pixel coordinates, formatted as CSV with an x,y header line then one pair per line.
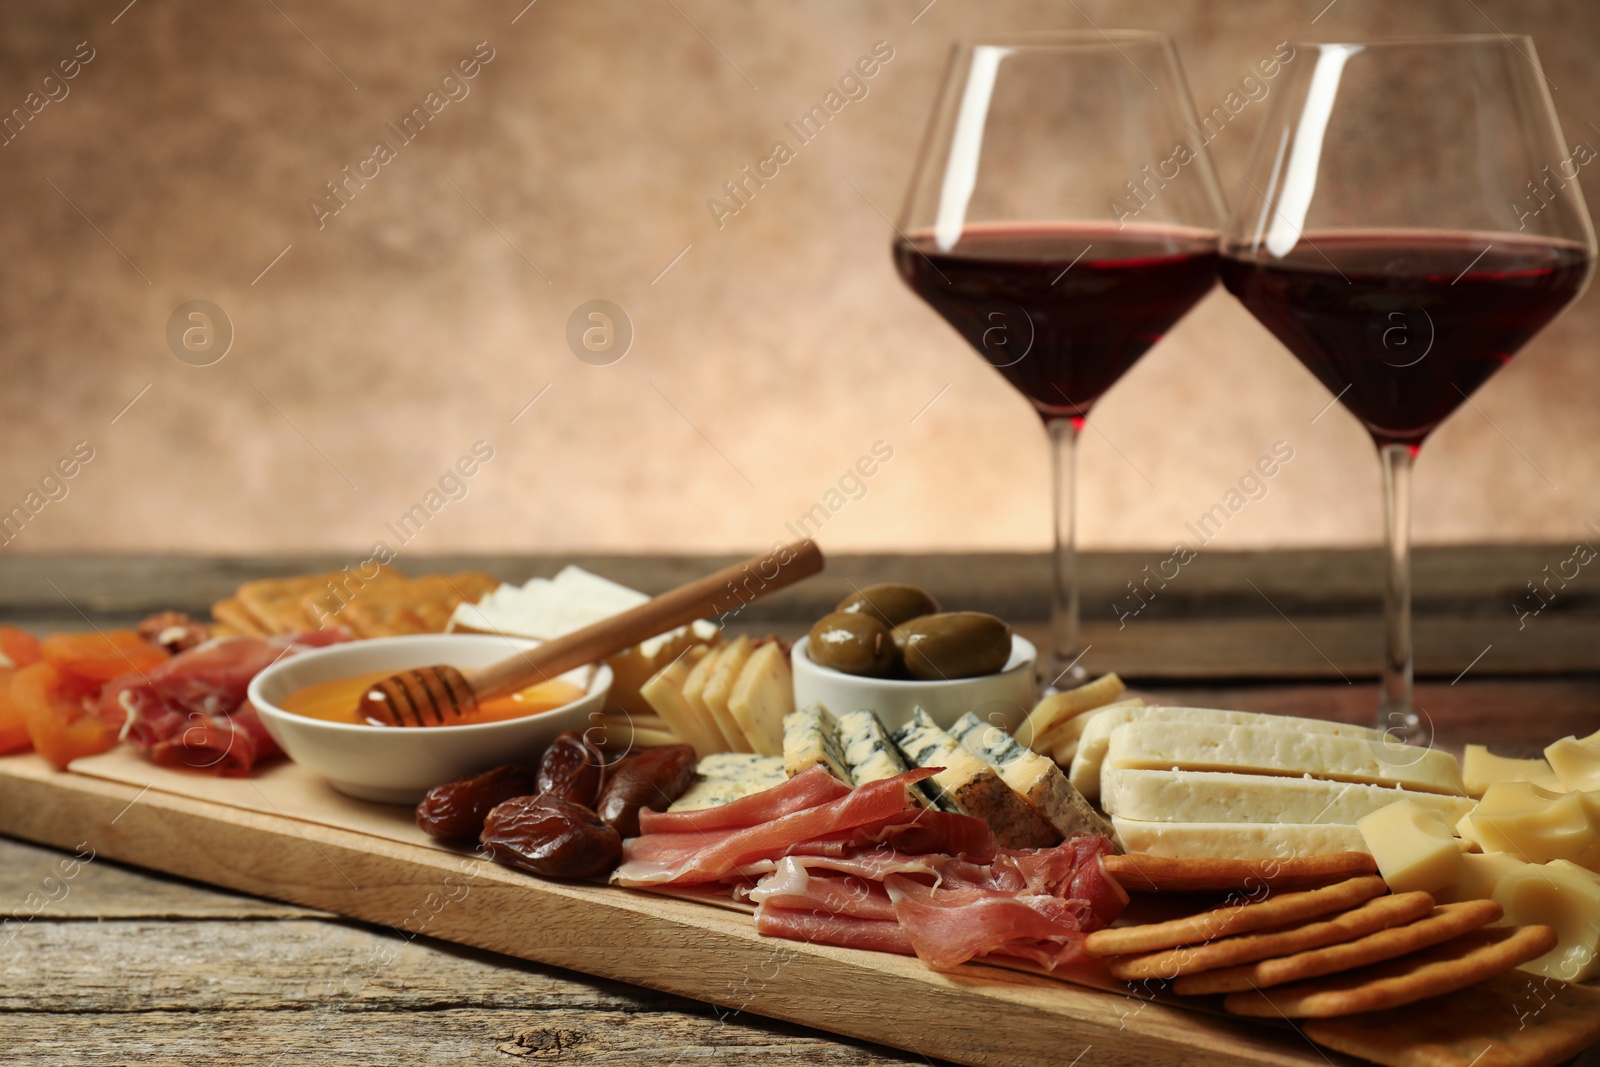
x,y
811,739
761,697
1091,752
1032,776
968,785
1223,796
1236,840
870,754
727,776
1198,746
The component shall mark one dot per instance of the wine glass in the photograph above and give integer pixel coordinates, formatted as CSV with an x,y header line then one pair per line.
x,y
1062,216
1408,220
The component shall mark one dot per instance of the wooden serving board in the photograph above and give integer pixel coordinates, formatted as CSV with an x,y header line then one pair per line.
x,y
972,1015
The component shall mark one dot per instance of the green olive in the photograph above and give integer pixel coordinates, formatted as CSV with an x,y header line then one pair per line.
x,y
891,603
957,644
853,643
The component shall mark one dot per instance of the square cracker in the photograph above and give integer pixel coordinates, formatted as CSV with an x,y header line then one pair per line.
x,y
1514,1019
276,604
418,606
233,614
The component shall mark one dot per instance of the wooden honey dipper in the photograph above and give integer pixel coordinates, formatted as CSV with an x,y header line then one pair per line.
x,y
439,694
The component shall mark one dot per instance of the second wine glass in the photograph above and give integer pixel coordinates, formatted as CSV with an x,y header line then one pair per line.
x,y
1062,217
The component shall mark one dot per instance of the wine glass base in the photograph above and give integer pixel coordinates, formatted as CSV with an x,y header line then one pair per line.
x,y
1059,677
1407,724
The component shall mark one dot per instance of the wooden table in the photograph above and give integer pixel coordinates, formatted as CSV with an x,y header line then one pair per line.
x,y
130,967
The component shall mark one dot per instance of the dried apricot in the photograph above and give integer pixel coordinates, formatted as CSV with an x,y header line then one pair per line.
x,y
59,711
13,731
18,647
102,655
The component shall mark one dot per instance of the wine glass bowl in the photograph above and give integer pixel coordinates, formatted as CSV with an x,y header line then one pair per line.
x,y
1408,219
1062,216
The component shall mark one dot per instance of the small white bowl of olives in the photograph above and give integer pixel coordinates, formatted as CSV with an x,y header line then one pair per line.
x,y
891,649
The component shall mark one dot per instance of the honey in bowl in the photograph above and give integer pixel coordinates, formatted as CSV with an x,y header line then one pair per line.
x,y
337,701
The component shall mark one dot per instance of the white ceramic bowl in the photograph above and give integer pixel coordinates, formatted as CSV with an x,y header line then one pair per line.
x,y
397,765
1003,699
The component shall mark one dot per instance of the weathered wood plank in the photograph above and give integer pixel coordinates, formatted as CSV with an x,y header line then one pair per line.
x,y
405,1039
43,883
299,964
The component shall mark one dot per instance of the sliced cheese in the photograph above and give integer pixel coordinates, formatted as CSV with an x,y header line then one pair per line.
x,y
1562,895
634,666
1057,708
1031,776
1481,768
1576,762
1201,746
871,755
1236,840
1060,743
761,697
811,739
965,784
727,776
1223,796
1481,872
1091,753
1413,846
1537,825
719,687
664,692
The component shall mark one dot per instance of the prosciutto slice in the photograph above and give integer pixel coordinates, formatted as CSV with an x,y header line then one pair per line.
x,y
948,927
803,791
877,935
191,711
711,856
794,887
861,869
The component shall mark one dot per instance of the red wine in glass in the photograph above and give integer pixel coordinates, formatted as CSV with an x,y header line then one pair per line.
x,y
1061,309
1404,326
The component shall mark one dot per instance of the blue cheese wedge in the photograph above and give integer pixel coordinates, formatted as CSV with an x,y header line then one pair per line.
x,y
871,756
1031,776
811,739
968,785
727,776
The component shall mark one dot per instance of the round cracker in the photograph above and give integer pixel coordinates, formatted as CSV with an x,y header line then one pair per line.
x,y
1144,873
1279,910
1377,914
1444,923
1445,968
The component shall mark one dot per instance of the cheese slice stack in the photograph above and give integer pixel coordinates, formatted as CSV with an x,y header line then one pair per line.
x,y
1195,782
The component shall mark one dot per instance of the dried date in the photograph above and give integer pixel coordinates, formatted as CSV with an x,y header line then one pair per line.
x,y
455,810
552,837
572,769
651,778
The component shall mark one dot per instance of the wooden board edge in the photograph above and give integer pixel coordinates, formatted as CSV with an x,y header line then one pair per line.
x,y
674,946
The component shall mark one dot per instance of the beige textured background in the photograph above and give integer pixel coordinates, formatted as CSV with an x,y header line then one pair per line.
x,y
766,360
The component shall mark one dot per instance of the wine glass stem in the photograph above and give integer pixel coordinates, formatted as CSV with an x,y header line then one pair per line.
x,y
1396,712
1064,669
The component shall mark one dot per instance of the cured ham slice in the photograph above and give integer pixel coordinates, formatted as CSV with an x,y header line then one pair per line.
x,y
191,711
807,790
876,935
948,927
692,858
793,887
863,869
